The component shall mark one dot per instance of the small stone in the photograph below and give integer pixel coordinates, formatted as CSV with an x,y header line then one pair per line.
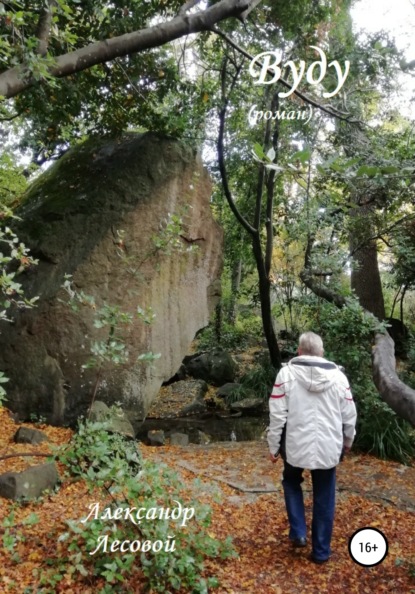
x,y
28,435
179,439
156,437
248,405
30,483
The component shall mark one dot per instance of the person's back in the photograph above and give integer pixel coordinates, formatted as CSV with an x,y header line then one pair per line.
x,y
312,408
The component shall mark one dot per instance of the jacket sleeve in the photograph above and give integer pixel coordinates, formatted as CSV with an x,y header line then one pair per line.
x,y
278,411
348,411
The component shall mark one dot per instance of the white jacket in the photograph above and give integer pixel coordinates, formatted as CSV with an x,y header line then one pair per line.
x,y
313,398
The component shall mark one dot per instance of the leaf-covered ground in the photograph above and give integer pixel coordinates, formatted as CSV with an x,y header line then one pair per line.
x,y
371,493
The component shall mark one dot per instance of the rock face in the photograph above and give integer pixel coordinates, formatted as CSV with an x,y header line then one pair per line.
x,y
100,214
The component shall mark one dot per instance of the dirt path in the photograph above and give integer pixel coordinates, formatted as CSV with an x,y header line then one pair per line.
x,y
371,492
245,467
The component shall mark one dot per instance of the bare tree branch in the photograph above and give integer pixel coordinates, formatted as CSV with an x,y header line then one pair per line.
x,y
317,287
246,13
38,454
221,152
328,110
17,79
11,117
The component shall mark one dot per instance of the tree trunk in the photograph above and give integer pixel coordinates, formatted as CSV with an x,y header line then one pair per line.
x,y
265,300
365,278
218,322
236,274
399,396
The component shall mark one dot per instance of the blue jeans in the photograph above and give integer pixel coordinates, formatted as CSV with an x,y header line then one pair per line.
x,y
324,497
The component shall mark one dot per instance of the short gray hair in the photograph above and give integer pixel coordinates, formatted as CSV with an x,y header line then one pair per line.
x,y
311,344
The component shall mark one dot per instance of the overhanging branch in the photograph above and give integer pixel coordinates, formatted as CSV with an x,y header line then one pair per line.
x,y
17,79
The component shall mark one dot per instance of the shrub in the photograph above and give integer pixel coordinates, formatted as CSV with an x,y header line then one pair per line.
x,y
244,333
113,463
260,378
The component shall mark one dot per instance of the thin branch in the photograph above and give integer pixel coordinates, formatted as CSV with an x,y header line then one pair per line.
x,y
12,117
270,187
405,288
247,12
38,454
379,235
394,302
328,110
44,27
17,79
221,158
306,275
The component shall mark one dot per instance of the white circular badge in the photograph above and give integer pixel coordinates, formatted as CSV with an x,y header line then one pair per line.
x,y
368,546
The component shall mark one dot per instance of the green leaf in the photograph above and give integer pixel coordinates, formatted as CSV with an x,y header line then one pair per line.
x,y
368,170
302,156
259,152
389,169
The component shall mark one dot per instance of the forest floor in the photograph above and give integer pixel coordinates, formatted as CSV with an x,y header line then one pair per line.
x,y
371,492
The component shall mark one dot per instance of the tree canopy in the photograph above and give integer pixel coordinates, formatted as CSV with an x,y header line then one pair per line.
x,y
317,164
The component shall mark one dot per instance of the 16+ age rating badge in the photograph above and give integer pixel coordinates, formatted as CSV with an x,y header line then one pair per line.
x,y
368,547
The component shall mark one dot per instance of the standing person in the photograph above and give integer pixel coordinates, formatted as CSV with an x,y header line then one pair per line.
x,y
312,421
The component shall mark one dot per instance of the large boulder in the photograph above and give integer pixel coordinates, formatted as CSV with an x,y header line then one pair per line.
x,y
216,367
100,215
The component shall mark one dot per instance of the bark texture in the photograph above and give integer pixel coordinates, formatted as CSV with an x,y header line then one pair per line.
x,y
399,396
365,278
17,79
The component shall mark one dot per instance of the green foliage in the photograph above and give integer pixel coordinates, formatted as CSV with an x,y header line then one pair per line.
x,y
111,349
244,333
12,180
404,255
348,335
12,534
17,255
113,463
144,90
169,239
260,378
98,454
14,259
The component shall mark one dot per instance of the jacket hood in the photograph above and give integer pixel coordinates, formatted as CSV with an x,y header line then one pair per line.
x,y
316,374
